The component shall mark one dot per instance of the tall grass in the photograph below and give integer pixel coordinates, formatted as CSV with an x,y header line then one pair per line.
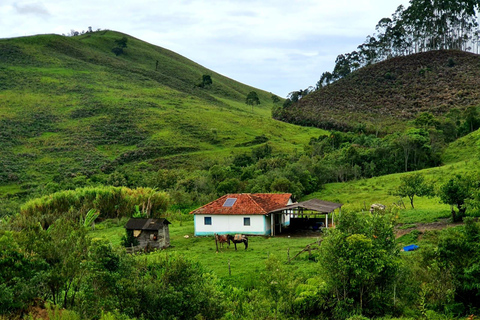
x,y
108,201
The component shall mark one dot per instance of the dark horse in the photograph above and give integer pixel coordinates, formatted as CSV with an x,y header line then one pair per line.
x,y
238,238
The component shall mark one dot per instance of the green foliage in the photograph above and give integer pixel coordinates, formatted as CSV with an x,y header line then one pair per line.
x,y
55,313
252,99
414,185
456,192
409,238
90,218
206,81
63,247
472,120
110,202
275,99
20,275
121,44
182,289
359,260
129,240
447,271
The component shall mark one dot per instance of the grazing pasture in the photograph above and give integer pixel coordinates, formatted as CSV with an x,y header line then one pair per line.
x,y
246,266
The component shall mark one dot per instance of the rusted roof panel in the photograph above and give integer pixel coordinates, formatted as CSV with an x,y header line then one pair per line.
x,y
313,205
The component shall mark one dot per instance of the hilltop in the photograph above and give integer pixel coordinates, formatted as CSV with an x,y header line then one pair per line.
x,y
384,96
73,113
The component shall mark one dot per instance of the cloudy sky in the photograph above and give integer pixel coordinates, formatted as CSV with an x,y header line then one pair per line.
x,y
278,46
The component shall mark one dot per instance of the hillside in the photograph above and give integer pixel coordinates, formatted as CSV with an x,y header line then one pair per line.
x,y
461,157
71,110
387,94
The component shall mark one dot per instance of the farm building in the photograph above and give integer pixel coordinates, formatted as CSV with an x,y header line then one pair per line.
x,y
261,214
151,233
246,213
310,214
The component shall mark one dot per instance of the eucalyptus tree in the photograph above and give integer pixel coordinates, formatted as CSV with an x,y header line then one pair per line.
x,y
423,26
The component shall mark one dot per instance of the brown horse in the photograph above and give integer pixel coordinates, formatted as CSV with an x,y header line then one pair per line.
x,y
238,238
222,238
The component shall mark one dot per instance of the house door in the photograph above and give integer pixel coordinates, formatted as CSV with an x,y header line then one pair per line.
x,y
278,223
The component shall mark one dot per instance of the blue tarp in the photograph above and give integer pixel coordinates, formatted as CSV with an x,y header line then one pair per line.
x,y
410,247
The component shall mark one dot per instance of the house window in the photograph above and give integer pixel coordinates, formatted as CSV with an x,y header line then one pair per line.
x,y
208,221
246,221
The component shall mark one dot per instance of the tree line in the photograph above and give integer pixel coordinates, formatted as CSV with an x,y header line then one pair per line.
x,y
423,26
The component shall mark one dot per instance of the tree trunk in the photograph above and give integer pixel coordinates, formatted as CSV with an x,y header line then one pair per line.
x,y
411,201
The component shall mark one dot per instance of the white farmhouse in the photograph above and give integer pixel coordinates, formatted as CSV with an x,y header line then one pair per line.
x,y
245,213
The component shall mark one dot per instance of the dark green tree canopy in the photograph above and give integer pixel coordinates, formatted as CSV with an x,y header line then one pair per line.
x,y
120,45
122,42
252,98
456,192
206,81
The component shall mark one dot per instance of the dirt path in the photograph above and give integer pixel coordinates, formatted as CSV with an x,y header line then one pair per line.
x,y
422,227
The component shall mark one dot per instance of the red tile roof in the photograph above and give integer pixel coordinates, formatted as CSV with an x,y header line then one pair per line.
x,y
246,203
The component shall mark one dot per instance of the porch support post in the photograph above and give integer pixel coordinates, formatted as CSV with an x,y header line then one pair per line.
x,y
272,224
326,221
280,226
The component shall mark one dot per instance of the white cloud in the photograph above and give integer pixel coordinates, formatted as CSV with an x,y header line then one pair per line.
x,y
32,8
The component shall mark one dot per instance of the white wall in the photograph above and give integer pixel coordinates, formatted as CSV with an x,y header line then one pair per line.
x,y
222,224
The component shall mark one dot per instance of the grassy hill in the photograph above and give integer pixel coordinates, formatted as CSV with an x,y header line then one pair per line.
x,y
384,96
71,109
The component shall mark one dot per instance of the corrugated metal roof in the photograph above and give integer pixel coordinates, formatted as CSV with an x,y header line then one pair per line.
x,y
246,204
146,224
313,205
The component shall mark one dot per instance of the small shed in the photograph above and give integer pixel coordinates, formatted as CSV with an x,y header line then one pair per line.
x,y
151,233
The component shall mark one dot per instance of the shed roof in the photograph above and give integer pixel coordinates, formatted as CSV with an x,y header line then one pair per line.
x,y
313,205
245,204
146,224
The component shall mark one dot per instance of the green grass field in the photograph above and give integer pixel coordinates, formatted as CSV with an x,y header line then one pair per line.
x,y
70,108
245,266
360,194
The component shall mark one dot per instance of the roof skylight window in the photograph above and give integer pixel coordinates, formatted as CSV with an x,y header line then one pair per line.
x,y
230,202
